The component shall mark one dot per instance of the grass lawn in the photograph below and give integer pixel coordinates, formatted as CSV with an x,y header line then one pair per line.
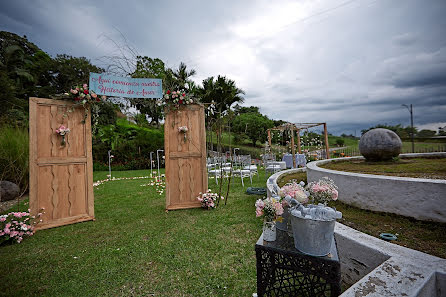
x,y
413,167
422,147
428,237
135,248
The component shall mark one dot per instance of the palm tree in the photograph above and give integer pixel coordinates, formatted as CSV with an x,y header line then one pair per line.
x,y
223,92
182,76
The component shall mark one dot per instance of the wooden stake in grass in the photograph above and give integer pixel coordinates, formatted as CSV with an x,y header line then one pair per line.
x,y
219,152
230,171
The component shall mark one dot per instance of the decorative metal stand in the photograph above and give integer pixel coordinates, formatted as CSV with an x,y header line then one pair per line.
x,y
284,271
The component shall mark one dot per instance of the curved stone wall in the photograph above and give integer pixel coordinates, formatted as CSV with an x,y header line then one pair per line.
x,y
374,267
423,199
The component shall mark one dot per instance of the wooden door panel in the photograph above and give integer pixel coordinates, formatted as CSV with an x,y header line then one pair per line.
x,y
186,174
43,122
61,177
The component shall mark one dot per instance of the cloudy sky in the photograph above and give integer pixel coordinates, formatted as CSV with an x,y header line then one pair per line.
x,y
351,64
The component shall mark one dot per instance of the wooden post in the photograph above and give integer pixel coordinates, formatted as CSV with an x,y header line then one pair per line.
x,y
298,141
293,151
327,148
269,137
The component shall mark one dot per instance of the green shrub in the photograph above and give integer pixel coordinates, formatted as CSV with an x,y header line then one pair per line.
x,y
130,144
340,142
14,156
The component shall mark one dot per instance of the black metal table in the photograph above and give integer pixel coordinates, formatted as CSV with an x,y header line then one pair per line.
x,y
284,271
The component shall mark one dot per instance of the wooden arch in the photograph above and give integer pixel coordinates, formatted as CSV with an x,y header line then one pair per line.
x,y
297,127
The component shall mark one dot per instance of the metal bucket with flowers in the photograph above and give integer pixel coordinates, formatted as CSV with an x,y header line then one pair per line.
x,y
291,190
313,221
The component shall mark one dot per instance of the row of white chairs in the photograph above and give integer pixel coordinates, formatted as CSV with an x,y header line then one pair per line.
x,y
239,166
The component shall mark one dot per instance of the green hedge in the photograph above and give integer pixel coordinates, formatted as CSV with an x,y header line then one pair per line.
x,y
14,156
130,145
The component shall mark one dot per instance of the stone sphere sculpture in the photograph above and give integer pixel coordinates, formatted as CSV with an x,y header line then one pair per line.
x,y
380,145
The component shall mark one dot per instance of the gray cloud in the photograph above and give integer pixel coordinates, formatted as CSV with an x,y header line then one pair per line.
x,y
351,65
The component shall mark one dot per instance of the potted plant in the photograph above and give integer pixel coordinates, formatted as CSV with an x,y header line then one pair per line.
x,y
271,209
313,221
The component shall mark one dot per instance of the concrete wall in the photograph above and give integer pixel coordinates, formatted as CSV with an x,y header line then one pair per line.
x,y
423,199
376,268
386,269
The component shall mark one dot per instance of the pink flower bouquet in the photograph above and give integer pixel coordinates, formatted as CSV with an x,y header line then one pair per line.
x,y
15,226
323,191
63,130
294,190
270,208
208,199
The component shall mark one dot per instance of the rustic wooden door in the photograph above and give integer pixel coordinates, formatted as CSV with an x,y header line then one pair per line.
x,y
61,176
185,153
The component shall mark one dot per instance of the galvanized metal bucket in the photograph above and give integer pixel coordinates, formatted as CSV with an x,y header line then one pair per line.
x,y
312,237
284,225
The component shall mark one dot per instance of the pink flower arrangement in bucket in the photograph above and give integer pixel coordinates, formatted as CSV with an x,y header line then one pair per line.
x,y
322,191
183,129
62,130
294,190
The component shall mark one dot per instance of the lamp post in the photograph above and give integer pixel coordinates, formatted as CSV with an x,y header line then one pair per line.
x,y
411,124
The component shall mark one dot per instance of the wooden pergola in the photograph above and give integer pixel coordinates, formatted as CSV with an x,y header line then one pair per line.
x,y
297,127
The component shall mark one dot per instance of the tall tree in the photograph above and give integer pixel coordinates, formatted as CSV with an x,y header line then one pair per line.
x,y
253,125
222,91
18,76
149,68
172,80
70,71
242,109
182,76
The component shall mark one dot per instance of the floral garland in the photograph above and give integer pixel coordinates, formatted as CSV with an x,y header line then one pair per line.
x,y
86,98
172,100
